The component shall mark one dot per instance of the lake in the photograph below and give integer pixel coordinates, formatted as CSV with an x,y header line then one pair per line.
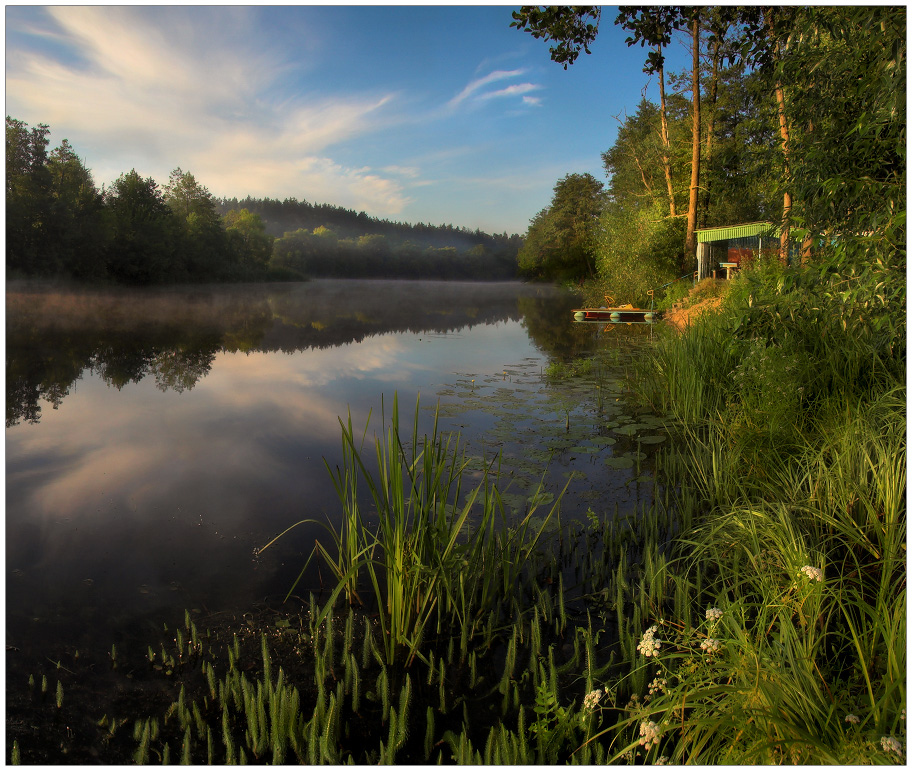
x,y
155,439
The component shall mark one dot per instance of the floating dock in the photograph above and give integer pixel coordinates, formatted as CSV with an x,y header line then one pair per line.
x,y
626,315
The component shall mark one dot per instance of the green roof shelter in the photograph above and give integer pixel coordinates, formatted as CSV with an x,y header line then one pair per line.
x,y
733,246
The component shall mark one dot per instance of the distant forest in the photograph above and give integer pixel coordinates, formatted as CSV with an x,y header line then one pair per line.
x,y
59,224
324,240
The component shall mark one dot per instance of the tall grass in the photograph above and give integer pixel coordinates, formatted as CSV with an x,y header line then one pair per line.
x,y
791,450
435,559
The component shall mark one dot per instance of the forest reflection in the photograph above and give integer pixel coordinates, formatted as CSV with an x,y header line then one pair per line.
x,y
55,335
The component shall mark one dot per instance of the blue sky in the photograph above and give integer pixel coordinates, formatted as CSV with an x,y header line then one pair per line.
x,y
440,114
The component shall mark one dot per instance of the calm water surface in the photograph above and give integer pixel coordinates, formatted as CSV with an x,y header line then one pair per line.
x,y
155,439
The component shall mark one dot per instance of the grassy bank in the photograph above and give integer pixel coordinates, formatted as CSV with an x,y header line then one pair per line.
x,y
791,463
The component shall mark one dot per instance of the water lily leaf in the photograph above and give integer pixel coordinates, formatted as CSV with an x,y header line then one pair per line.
x,y
656,439
540,498
620,462
630,429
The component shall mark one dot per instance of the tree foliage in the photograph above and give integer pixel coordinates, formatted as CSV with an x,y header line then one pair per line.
x,y
562,239
144,229
572,28
803,124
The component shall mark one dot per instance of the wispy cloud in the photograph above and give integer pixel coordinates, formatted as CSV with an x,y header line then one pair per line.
x,y
517,90
479,83
194,88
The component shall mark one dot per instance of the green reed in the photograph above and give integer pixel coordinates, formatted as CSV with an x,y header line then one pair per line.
x,y
424,564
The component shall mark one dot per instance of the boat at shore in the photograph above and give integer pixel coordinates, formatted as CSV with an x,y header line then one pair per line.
x,y
623,315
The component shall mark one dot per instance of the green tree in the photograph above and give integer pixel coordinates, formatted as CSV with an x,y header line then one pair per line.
x,y
142,250
28,197
204,248
297,251
653,26
77,220
561,240
572,28
249,240
640,240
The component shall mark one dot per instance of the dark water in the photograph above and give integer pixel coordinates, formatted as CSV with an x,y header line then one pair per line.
x,y
155,439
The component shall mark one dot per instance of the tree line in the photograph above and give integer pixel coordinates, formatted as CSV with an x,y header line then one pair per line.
x,y
792,115
58,223
325,240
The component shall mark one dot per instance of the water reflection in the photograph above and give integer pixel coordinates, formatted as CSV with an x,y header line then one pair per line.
x,y
190,426
172,336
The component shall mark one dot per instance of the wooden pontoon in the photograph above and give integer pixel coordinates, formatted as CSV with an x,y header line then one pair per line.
x,y
624,315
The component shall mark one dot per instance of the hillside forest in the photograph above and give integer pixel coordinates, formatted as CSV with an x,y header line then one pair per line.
x,y
137,232
788,115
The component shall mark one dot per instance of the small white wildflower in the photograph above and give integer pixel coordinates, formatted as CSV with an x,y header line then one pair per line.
x,y
888,743
713,614
710,645
649,646
815,574
662,761
853,719
658,685
591,700
649,733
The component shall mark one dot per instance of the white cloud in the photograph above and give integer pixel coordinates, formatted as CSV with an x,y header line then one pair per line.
x,y
479,83
157,88
517,90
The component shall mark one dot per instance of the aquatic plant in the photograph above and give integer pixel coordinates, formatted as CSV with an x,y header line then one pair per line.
x,y
436,557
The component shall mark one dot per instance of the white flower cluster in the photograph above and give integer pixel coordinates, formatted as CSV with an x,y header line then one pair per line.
x,y
591,700
649,734
649,646
852,719
662,761
815,574
710,645
713,614
888,743
657,686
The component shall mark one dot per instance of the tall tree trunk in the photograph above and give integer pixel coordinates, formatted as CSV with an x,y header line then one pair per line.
x,y
769,14
666,162
711,125
690,242
786,196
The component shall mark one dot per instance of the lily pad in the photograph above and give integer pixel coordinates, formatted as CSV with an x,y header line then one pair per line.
x,y
655,439
540,498
630,429
621,462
